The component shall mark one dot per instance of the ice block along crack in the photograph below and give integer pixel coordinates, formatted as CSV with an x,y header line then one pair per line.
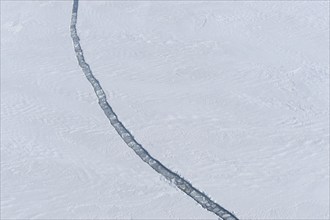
x,y
185,186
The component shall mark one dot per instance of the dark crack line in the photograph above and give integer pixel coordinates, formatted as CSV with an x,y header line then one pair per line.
x,y
128,138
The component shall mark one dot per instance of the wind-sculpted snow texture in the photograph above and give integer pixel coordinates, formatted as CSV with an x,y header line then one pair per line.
x,y
180,182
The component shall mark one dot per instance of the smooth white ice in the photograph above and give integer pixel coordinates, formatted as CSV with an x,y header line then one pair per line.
x,y
232,95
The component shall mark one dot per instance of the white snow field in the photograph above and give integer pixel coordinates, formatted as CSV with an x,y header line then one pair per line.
x,y
233,96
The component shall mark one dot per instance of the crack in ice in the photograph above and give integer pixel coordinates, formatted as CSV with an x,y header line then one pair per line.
x,y
128,138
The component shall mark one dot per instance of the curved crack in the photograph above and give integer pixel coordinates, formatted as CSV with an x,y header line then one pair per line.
x,y
128,138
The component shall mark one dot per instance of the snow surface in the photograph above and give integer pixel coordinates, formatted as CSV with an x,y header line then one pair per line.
x,y
234,96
